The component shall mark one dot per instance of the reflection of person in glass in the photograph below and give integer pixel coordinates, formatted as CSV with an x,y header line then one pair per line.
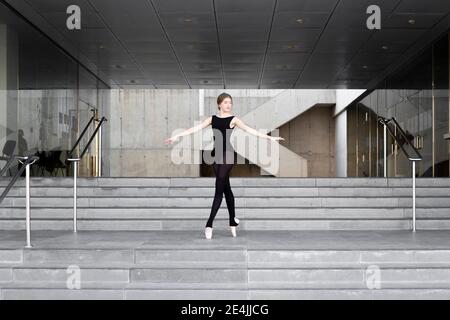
x,y
222,164
22,147
22,144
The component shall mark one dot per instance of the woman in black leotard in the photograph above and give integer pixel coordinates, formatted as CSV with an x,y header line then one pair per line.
x,y
224,157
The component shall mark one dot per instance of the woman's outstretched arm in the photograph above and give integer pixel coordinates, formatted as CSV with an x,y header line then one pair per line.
x,y
238,122
186,132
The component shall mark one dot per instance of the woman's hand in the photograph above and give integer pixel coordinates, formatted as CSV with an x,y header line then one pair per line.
x,y
276,138
171,140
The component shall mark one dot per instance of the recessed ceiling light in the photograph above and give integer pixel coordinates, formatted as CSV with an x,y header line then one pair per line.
x,y
290,46
132,81
118,66
299,20
411,21
364,67
187,20
384,47
205,81
101,47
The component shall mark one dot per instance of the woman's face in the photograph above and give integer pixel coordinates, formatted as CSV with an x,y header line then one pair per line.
x,y
226,105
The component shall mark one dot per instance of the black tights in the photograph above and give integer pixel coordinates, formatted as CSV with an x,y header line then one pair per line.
x,y
222,171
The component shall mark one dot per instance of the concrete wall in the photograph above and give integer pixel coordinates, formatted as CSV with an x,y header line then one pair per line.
x,y
341,144
312,136
141,119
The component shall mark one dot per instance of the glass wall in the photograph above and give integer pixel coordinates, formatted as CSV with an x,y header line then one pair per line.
x,y
46,100
417,96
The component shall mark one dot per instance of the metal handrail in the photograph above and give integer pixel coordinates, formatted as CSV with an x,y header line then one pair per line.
x,y
75,161
418,157
26,162
7,166
81,136
103,119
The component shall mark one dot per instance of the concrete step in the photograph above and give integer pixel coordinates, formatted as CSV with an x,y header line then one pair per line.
x,y
225,294
305,278
281,191
255,202
262,203
252,258
286,265
247,213
234,181
200,213
222,223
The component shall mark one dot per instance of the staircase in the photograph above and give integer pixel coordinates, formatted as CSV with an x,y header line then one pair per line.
x,y
262,203
256,265
299,238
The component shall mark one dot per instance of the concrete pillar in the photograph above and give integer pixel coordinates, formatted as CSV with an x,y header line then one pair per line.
x,y
8,85
340,128
343,99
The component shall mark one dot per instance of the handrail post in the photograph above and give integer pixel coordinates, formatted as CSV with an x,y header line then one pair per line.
x,y
75,174
412,159
75,171
100,151
24,160
27,177
414,195
385,151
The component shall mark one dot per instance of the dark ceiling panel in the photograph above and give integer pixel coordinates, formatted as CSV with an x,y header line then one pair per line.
x,y
243,46
403,20
148,46
130,13
153,57
421,6
290,47
306,5
193,46
192,34
300,19
331,58
46,6
183,6
360,6
242,66
188,20
128,34
201,67
282,61
244,6
244,34
59,19
303,43
248,19
199,58
295,34
161,67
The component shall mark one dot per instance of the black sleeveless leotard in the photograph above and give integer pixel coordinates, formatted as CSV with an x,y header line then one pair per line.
x,y
222,133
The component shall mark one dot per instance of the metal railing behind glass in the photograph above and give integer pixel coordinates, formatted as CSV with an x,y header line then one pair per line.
x,y
81,135
412,158
26,161
75,161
